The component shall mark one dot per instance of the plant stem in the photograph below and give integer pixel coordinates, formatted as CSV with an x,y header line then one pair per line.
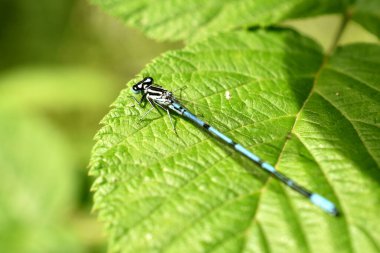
x,y
343,24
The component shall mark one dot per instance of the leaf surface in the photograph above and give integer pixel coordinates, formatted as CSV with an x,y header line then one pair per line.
x,y
317,120
177,20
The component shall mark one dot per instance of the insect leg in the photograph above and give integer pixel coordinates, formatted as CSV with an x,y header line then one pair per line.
x,y
134,99
170,117
142,98
145,114
171,121
153,107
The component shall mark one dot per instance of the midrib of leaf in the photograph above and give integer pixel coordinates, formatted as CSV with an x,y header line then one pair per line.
x,y
346,222
299,227
325,66
345,19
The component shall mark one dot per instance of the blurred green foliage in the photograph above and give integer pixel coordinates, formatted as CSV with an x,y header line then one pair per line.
x,y
62,63
30,32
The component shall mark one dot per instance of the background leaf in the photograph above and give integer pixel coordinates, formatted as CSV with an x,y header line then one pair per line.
x,y
55,89
316,119
176,20
41,176
26,37
42,185
367,13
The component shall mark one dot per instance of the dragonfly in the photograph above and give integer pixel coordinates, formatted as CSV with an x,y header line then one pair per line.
x,y
157,95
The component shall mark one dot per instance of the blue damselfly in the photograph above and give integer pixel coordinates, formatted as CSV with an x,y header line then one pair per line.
x,y
163,98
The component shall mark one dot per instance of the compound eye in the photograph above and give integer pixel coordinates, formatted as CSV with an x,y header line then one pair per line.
x,y
135,89
148,80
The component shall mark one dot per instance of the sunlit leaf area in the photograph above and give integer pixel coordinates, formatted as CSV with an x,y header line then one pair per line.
x,y
84,168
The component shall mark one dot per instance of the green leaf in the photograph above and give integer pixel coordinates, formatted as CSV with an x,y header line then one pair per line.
x,y
317,120
367,13
177,20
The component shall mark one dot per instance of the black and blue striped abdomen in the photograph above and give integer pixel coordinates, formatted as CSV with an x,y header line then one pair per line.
x,y
313,197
